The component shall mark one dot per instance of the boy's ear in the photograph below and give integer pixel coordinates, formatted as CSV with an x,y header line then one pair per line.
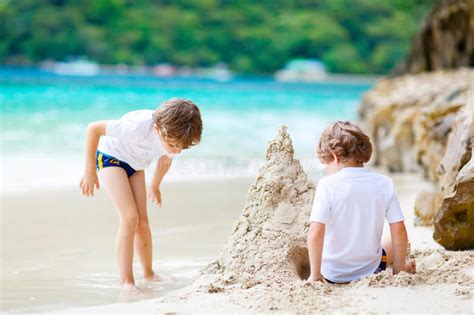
x,y
335,158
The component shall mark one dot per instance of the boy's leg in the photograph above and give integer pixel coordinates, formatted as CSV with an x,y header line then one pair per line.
x,y
117,186
143,240
410,265
387,246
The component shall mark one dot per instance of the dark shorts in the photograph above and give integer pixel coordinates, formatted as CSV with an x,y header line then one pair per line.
x,y
382,266
104,160
383,262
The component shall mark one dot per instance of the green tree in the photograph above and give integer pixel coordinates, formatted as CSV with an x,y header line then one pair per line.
x,y
359,36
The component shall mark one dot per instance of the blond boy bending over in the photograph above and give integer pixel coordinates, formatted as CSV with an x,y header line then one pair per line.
x,y
120,150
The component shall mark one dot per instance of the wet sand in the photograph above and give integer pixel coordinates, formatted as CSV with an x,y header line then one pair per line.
x,y
58,246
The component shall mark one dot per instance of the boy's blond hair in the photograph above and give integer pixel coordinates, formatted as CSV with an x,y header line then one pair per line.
x,y
179,121
346,141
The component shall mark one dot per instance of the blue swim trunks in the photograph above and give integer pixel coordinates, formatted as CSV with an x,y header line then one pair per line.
x,y
104,160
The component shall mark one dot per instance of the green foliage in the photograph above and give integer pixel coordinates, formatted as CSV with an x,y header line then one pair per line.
x,y
359,36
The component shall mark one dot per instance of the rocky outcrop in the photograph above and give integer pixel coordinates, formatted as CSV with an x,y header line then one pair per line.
x,y
424,123
446,39
454,220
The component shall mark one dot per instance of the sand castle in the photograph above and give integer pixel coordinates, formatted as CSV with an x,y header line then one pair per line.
x,y
270,236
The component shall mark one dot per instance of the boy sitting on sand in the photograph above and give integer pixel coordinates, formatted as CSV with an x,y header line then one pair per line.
x,y
127,146
349,210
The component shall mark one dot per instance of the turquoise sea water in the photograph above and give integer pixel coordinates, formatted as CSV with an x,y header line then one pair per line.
x,y
44,117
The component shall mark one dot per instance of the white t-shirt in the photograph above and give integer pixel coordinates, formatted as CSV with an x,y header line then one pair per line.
x,y
133,139
353,204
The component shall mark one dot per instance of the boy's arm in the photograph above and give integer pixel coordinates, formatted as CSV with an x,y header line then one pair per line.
x,y
162,166
90,179
315,250
399,245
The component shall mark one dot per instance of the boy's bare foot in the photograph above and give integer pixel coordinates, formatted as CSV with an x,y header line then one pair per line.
x,y
130,288
410,266
153,277
157,278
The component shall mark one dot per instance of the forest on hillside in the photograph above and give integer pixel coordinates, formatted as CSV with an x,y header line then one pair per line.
x,y
258,37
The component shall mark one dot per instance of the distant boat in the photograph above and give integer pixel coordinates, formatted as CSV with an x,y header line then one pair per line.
x,y
78,67
219,72
302,70
164,70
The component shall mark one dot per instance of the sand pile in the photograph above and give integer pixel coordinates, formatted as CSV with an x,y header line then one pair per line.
x,y
434,267
270,237
452,272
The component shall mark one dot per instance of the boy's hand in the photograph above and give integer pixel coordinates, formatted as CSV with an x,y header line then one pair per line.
x,y
88,181
313,278
155,195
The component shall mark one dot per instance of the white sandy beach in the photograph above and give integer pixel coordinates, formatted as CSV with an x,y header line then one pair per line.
x,y
189,232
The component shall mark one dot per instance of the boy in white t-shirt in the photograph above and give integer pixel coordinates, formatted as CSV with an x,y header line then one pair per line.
x,y
349,210
120,150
